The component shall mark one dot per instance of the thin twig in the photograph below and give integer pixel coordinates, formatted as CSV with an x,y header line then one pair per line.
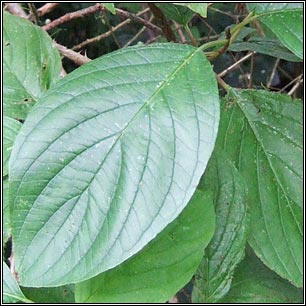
x,y
235,65
136,18
106,34
273,72
137,35
111,30
33,14
188,31
74,15
291,82
178,28
72,55
296,85
250,78
16,9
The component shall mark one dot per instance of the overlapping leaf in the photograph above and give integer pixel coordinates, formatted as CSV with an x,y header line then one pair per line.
x,y
11,290
262,133
31,65
270,47
163,267
10,130
225,251
108,158
285,20
255,283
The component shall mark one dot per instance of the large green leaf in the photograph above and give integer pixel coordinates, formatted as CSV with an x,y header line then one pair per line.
x,y
163,267
262,133
11,291
31,65
255,283
10,130
108,158
225,251
285,20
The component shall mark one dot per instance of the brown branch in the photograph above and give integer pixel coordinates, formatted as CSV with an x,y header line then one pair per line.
x,y
16,9
162,22
134,17
72,55
106,34
74,15
47,8
235,65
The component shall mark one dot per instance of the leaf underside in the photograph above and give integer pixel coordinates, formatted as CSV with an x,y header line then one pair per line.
x,y
108,158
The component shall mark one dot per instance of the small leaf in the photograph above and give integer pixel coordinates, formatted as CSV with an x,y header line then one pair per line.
x,y
163,267
199,8
31,65
108,158
226,249
265,46
11,290
180,14
255,283
262,133
10,130
110,7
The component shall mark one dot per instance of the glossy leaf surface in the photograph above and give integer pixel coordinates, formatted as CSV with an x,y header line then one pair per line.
x,y
108,158
262,133
226,249
31,65
163,267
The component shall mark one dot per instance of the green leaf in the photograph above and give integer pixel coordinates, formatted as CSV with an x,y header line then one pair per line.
x,y
110,7
10,130
59,295
226,249
31,65
265,46
199,8
288,27
268,7
11,290
286,22
6,217
108,158
262,133
180,14
163,267
255,283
